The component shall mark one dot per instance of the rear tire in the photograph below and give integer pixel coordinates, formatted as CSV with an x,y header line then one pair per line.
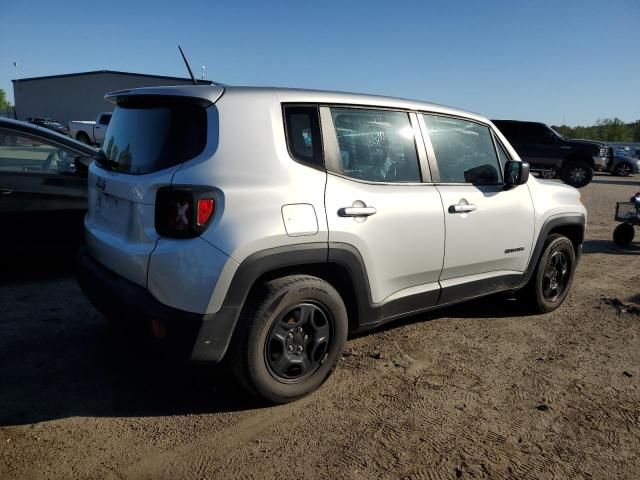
x,y
577,173
553,275
290,338
83,137
623,234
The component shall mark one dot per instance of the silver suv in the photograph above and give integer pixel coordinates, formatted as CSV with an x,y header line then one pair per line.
x,y
264,225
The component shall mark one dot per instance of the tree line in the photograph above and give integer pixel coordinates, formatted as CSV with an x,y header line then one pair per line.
x,y
607,129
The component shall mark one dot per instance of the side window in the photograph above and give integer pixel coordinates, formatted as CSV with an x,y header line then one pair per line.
x,y
536,133
21,153
376,145
503,156
302,125
105,119
464,151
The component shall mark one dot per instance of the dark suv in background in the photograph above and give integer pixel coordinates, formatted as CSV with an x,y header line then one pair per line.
x,y
552,155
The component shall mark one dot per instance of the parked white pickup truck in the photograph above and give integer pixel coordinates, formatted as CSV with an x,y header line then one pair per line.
x,y
90,132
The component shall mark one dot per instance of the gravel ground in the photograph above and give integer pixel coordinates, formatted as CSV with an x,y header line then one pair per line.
x,y
482,390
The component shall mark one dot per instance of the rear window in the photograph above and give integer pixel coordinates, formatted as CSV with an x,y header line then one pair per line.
x,y
147,134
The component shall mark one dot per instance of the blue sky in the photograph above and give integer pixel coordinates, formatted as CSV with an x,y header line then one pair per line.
x,y
552,61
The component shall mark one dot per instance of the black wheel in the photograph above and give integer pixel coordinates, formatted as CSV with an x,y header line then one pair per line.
x,y
623,234
290,338
553,276
577,173
83,137
623,169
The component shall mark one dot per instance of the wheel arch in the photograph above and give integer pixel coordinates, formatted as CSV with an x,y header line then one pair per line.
x,y
341,266
579,156
570,225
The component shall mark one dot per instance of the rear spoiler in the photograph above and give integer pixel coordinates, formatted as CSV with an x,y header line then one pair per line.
x,y
208,94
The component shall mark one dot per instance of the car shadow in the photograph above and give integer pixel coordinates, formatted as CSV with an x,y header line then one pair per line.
x,y
60,358
609,248
87,372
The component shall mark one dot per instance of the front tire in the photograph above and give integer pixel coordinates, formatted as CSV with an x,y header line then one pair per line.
x,y
553,276
290,339
622,170
577,173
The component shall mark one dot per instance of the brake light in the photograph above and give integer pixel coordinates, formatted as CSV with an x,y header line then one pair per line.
x,y
205,210
183,211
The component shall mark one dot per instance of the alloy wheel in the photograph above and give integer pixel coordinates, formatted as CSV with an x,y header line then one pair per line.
x,y
555,277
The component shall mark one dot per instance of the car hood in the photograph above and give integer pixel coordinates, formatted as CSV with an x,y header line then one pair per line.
x,y
587,142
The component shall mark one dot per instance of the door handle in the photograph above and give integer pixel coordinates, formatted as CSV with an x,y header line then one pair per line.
x,y
462,208
5,191
356,211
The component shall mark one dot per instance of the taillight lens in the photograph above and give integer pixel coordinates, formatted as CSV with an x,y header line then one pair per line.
x,y
205,210
184,211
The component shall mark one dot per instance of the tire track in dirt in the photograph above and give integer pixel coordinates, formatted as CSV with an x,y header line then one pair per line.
x,y
216,445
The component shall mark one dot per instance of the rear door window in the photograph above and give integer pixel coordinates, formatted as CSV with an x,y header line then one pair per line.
x,y
464,151
147,134
376,145
105,119
509,130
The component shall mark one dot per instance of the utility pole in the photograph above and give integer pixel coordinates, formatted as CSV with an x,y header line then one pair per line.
x,y
202,72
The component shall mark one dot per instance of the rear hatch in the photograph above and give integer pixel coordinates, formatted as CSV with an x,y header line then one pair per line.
x,y
152,132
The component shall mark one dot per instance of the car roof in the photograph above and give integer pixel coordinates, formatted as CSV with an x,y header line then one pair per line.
x,y
213,92
496,121
30,128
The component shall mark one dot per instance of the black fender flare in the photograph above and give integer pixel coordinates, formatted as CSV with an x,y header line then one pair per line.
x,y
552,223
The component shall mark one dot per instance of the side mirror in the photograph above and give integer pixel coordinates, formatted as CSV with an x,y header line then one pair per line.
x,y
516,173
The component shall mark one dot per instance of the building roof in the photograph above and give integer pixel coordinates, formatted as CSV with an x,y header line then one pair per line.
x,y
115,72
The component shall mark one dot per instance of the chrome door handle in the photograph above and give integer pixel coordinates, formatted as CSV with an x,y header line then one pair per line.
x,y
5,191
356,211
462,208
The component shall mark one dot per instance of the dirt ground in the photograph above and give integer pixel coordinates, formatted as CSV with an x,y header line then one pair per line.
x,y
477,391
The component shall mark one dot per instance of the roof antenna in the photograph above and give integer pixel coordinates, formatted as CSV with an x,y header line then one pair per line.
x,y
186,62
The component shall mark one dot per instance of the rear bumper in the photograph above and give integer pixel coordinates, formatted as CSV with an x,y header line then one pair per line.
x,y
198,337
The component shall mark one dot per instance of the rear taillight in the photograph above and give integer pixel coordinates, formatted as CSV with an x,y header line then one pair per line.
x,y
205,210
184,211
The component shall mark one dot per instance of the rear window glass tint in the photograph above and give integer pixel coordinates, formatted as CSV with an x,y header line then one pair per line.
x,y
376,145
149,134
303,134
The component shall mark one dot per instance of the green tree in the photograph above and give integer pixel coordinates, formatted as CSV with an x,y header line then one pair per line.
x,y
613,130
4,103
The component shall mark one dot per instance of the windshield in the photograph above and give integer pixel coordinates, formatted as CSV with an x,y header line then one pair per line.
x,y
153,133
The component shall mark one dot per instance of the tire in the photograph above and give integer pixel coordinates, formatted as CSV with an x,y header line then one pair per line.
x,y
539,292
623,234
623,169
289,340
83,137
577,173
